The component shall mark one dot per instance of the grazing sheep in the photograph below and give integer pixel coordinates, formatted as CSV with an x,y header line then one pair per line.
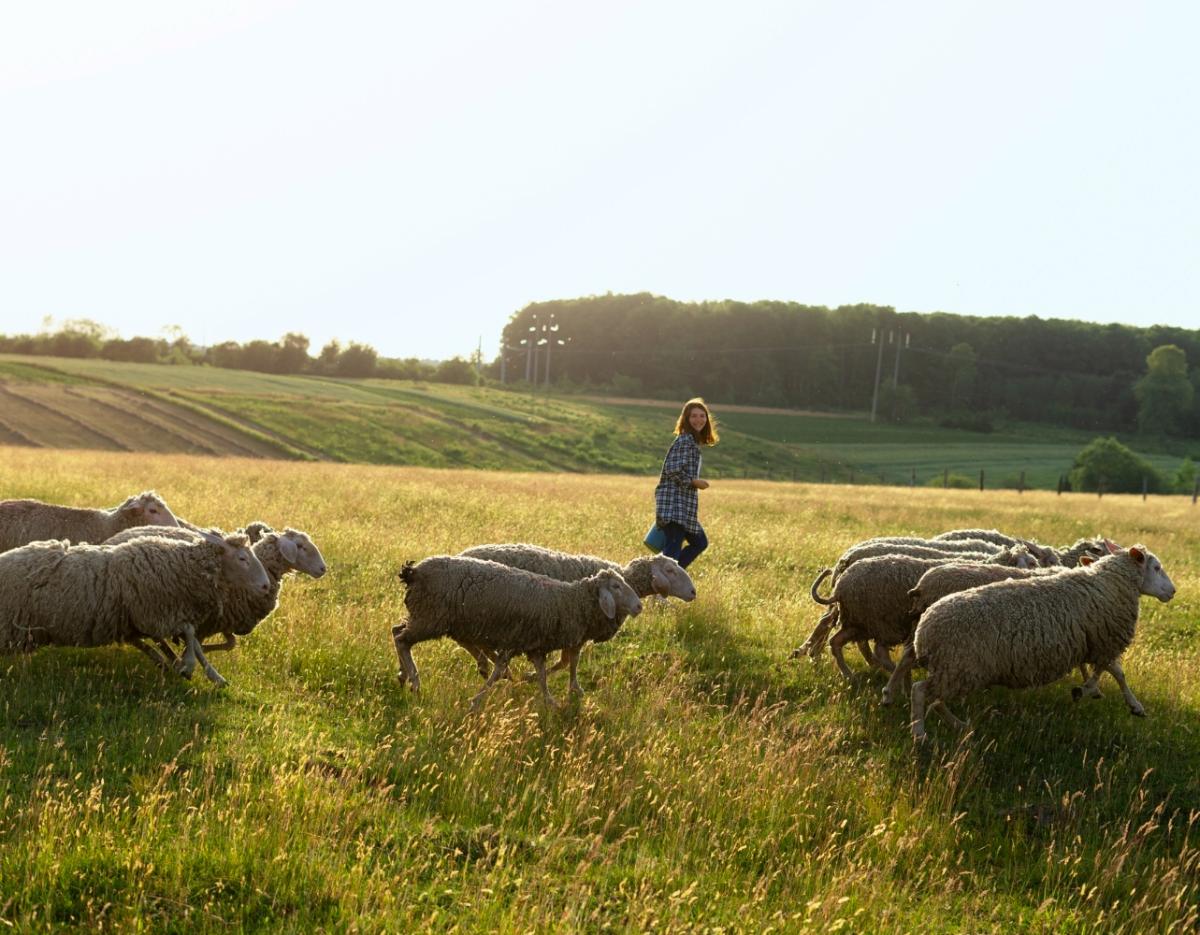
x,y
1032,632
506,611
657,574
875,547
1067,555
279,554
25,521
54,593
870,602
950,579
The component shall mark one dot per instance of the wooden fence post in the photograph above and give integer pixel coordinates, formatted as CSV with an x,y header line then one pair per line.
x,y
1060,484
1145,485
1021,484
913,482
981,480
945,478
852,473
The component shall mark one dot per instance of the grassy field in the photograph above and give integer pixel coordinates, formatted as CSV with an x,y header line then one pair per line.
x,y
705,782
68,403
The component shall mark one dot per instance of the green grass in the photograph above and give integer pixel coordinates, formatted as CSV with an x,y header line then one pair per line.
x,y
704,783
436,425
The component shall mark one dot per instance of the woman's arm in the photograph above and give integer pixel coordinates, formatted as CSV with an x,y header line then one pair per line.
x,y
682,466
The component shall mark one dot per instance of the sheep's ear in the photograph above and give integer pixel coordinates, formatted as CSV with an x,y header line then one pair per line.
x,y
1112,547
607,603
1138,555
658,580
287,548
1086,559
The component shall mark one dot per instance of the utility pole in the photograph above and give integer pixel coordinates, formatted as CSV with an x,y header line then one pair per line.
x,y
902,339
876,336
529,340
479,362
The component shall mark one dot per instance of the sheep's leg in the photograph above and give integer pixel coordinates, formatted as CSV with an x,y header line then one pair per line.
x,y
397,635
940,706
498,670
564,660
408,668
816,639
154,654
197,653
539,666
901,673
840,639
167,652
881,657
482,663
918,711
228,643
1090,684
1114,669
574,666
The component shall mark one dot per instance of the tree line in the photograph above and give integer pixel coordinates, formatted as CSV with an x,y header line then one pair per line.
x,y
962,370
289,355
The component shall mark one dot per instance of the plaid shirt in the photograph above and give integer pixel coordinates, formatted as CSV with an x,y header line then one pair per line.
x,y
675,499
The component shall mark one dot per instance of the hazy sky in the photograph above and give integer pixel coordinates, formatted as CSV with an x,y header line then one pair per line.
x,y
409,175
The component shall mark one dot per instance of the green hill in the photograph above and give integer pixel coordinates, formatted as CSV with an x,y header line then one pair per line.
x,y
94,404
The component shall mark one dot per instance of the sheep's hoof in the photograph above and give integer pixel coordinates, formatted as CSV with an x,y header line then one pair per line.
x,y
216,678
887,697
1139,711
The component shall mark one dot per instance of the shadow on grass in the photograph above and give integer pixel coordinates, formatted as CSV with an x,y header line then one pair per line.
x,y
81,716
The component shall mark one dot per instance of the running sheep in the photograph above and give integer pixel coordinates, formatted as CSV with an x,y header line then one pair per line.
x,y
25,521
55,593
657,574
870,602
506,611
1067,555
1027,633
279,554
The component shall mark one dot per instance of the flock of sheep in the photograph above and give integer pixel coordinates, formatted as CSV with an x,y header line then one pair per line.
x,y
973,607
976,608
137,574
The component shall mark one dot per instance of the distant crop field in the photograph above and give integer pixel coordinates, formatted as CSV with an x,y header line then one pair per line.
x,y
704,783
92,404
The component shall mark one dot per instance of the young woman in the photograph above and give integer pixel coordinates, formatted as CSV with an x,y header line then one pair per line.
x,y
676,498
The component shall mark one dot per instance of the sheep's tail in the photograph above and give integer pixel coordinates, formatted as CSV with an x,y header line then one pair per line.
x,y
816,584
820,634
405,574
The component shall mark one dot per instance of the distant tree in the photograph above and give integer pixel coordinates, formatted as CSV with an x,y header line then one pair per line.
x,y
1105,461
897,403
357,360
962,361
1165,393
135,350
455,370
293,353
1185,477
327,360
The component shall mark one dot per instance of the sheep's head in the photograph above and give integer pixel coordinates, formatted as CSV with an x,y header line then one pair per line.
x,y
615,596
256,530
301,554
1155,581
668,578
239,565
146,509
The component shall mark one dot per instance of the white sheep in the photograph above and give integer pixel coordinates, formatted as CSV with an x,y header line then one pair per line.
x,y
950,579
870,602
25,521
55,593
656,574
1032,632
1046,555
279,554
506,611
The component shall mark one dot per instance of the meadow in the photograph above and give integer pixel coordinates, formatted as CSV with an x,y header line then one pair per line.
x,y
705,782
96,404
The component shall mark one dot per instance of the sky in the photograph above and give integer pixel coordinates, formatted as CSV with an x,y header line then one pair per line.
x,y
411,175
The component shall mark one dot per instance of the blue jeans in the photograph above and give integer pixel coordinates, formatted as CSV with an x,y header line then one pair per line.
x,y
675,548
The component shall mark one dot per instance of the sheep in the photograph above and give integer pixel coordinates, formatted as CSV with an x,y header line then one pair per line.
x,y
279,554
1067,555
950,579
25,521
658,574
870,601
55,593
1016,556
1032,632
507,611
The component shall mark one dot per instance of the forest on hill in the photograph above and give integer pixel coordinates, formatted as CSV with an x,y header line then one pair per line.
x,y
961,371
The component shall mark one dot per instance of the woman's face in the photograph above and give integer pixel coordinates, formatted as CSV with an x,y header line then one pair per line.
x,y
697,419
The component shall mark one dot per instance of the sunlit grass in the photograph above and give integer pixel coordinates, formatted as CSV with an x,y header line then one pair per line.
x,y
704,782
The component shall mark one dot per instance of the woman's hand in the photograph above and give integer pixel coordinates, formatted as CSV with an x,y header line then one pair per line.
x,y
700,483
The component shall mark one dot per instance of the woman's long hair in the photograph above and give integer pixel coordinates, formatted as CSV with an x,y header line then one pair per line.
x,y
706,436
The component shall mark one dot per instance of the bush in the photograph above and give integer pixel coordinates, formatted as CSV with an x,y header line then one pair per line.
x,y
954,481
1106,461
